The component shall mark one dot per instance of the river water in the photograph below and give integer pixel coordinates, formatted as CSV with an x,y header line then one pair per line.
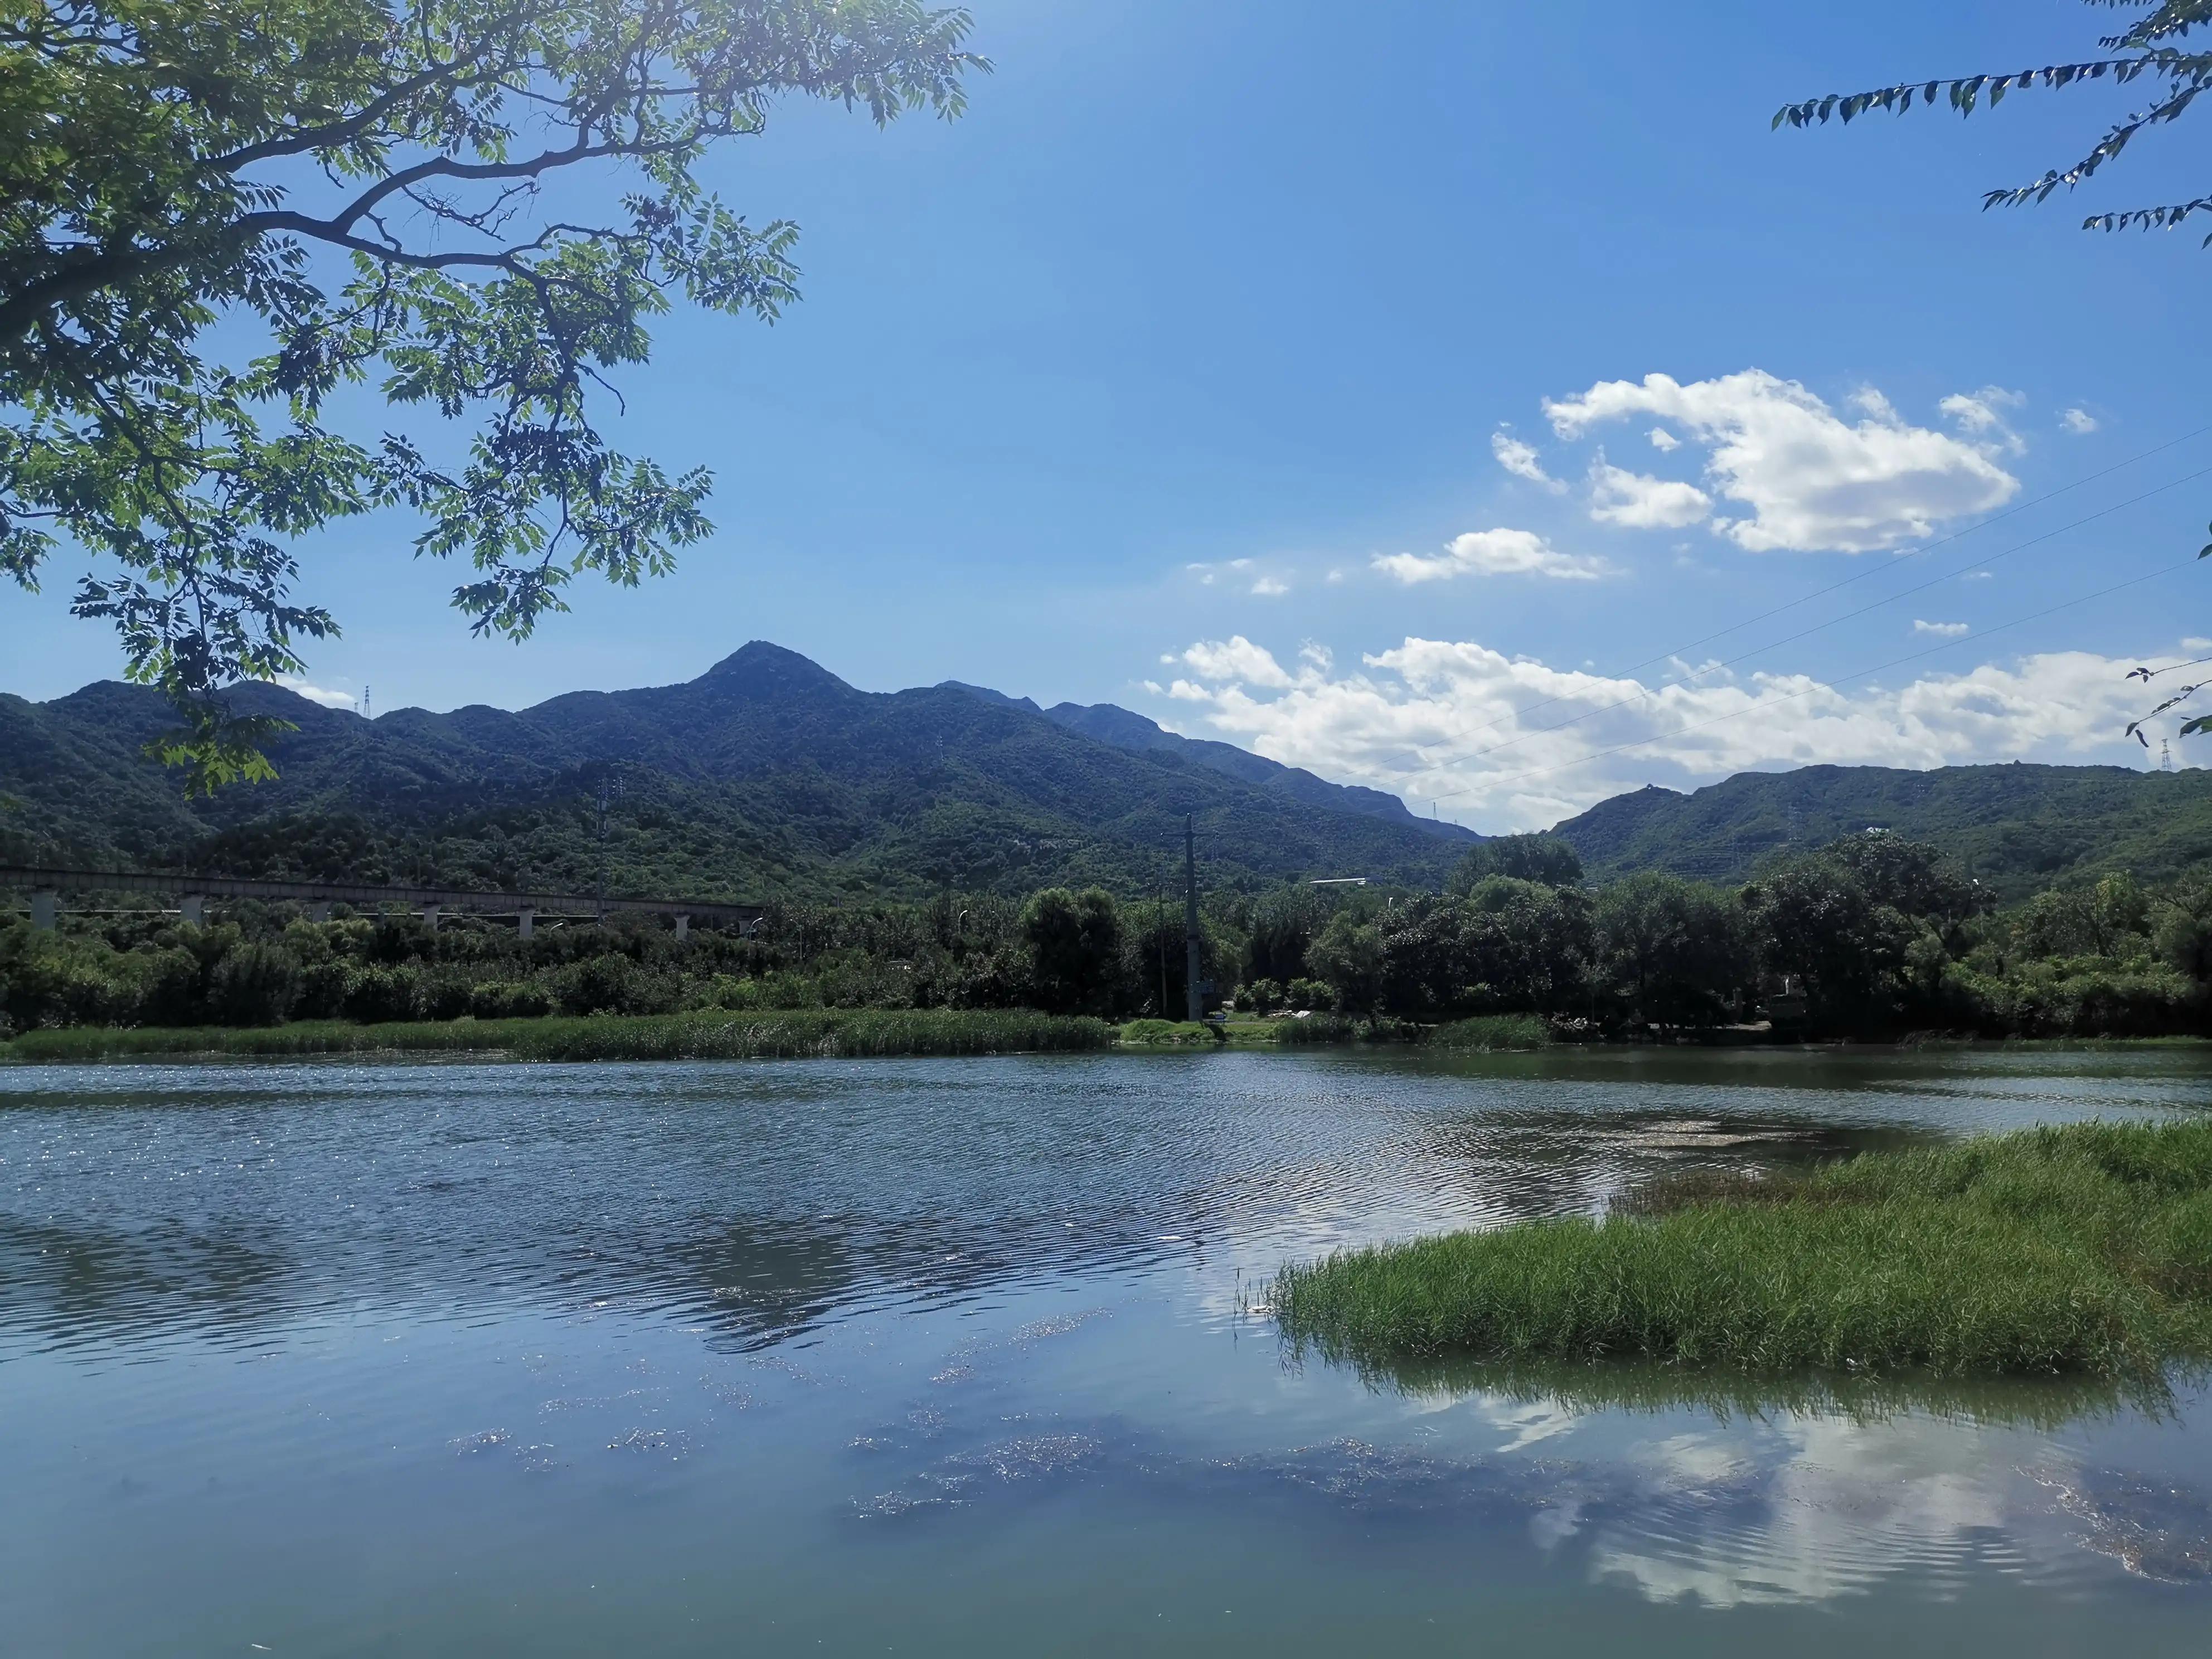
x,y
961,1356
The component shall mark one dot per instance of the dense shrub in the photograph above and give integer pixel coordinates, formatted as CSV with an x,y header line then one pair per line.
x,y
509,999
379,993
254,984
612,984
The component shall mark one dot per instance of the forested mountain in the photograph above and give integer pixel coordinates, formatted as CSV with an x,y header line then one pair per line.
x,y
2017,828
766,776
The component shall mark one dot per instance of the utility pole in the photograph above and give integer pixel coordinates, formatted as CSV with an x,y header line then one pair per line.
x,y
1191,998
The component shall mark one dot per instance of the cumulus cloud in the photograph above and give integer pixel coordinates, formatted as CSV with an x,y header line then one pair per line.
x,y
1270,587
1943,630
1639,501
1235,659
1811,480
1980,415
2080,421
320,694
1515,743
1498,552
1663,440
1521,461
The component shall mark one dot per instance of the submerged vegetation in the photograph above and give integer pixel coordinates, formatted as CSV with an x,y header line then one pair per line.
x,y
683,1037
2082,1249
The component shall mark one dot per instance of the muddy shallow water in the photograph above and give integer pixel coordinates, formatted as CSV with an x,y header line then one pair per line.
x,y
960,1357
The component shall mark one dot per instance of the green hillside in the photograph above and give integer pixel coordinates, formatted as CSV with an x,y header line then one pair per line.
x,y
2016,828
766,777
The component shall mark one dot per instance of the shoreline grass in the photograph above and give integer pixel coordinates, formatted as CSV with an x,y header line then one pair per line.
x,y
2085,1249
1493,1034
712,1035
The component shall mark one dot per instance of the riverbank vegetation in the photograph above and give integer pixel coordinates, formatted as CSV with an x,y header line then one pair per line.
x,y
2084,1248
1872,937
682,1036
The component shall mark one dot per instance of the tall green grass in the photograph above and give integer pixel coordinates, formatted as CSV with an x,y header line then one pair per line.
x,y
1490,1032
673,1036
1171,1034
2086,1249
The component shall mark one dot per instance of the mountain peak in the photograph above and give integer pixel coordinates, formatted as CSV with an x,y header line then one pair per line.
x,y
763,666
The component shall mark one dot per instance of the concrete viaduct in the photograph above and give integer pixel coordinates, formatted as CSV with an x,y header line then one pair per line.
x,y
46,886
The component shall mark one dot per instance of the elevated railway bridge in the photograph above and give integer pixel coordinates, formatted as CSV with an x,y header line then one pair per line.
x,y
48,887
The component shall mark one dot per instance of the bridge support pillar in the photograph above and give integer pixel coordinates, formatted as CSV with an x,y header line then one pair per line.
x,y
45,908
430,917
526,922
682,926
192,906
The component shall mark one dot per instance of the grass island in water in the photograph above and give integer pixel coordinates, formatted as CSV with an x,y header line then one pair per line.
x,y
2083,1250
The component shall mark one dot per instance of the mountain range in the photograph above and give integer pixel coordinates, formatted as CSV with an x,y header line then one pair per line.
x,y
769,777
2016,828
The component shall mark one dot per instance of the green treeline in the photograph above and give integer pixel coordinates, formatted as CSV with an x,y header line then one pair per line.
x,y
1872,936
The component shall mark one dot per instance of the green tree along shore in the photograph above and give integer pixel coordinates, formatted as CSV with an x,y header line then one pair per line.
x,y
1873,937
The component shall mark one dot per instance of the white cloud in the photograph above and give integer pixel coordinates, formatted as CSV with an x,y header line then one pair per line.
x,y
1978,576
1498,552
1980,415
1270,587
1812,481
1240,564
1516,744
1335,576
1663,440
1521,461
2078,421
320,694
1314,651
1944,630
1640,501
1235,659
1154,687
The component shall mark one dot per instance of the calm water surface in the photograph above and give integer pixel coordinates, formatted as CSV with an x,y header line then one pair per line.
x,y
939,1357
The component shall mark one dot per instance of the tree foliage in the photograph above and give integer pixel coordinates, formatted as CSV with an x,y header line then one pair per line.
x,y
2151,49
362,191
1544,858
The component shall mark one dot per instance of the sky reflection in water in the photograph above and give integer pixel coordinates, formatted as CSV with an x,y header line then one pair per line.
x,y
949,1356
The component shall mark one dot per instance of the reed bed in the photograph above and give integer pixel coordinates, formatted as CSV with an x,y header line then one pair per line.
x,y
1493,1033
2083,1250
673,1037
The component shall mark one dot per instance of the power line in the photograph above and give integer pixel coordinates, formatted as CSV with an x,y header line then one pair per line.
x,y
1826,685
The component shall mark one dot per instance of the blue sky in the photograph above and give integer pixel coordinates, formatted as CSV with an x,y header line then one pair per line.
x,y
1282,371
